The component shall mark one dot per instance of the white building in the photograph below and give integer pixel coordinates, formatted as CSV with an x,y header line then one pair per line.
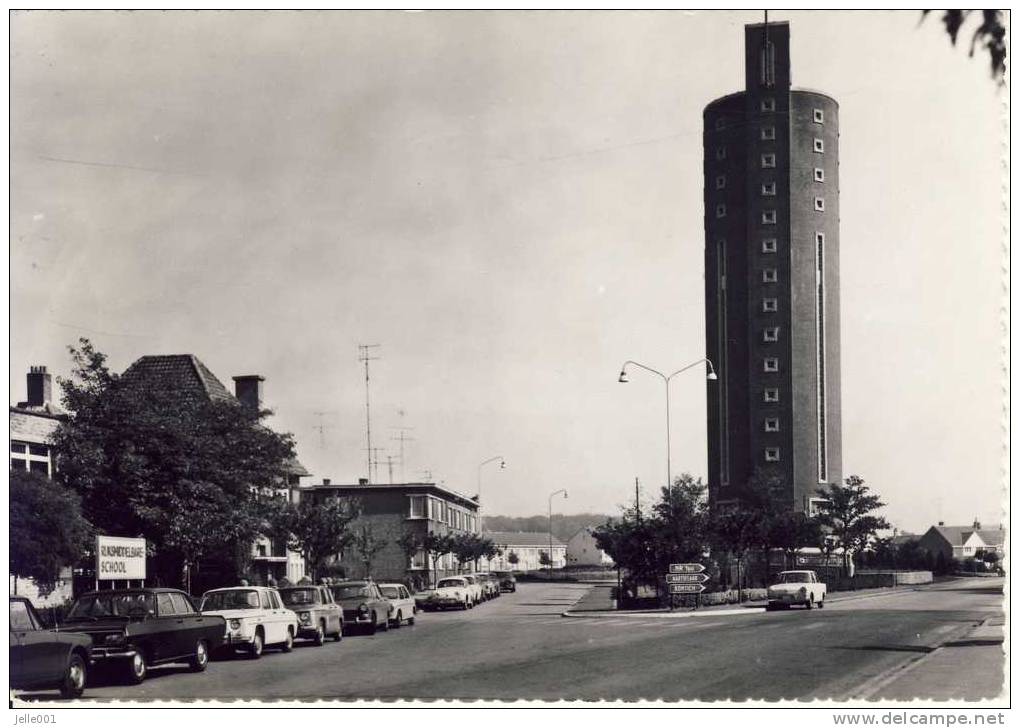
x,y
527,548
583,551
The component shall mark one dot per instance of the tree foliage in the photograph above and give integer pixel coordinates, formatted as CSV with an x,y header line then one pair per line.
x,y
848,513
368,542
195,477
989,34
436,545
317,529
47,529
470,547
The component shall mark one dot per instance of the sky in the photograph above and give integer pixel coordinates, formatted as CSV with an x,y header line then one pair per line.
x,y
510,205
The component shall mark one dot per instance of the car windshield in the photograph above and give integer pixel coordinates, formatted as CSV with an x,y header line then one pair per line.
x,y
230,599
297,597
95,606
450,582
503,574
470,579
794,577
351,591
390,592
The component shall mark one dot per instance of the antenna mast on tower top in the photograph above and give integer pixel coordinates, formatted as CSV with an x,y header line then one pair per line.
x,y
365,355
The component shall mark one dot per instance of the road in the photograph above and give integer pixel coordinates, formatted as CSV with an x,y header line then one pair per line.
x,y
519,646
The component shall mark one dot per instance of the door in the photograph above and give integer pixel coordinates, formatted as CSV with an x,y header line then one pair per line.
x,y
28,658
267,618
191,625
165,632
281,618
332,620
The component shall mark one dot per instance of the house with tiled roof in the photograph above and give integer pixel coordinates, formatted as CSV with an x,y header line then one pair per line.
x,y
582,549
528,546
963,542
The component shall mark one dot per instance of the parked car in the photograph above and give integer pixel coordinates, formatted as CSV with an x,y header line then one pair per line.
x,y
422,597
475,589
492,584
364,605
453,592
507,581
43,659
403,604
796,587
135,629
318,614
256,617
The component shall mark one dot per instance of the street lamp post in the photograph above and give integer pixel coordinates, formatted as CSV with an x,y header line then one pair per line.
x,y
502,465
551,496
666,379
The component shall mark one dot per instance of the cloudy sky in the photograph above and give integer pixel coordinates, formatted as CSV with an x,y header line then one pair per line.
x,y
510,205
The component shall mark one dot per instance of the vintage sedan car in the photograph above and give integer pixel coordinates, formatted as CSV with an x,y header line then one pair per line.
x,y
135,629
364,605
256,618
475,588
492,584
507,581
43,659
422,597
404,606
318,614
453,592
796,587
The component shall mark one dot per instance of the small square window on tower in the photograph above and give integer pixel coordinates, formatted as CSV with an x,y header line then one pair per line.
x,y
772,454
819,146
720,182
770,305
771,364
768,133
768,217
768,189
819,204
720,124
720,153
768,245
769,275
819,116
768,161
771,394
720,210
819,174
768,104
771,424
771,334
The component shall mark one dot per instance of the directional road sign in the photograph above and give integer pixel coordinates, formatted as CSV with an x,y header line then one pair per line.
x,y
686,578
686,588
686,568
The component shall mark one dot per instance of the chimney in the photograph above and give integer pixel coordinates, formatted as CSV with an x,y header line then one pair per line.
x,y
40,386
248,390
942,523
977,525
325,481
362,481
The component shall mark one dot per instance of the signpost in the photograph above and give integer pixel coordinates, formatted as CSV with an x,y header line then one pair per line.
x,y
686,568
119,558
686,588
686,579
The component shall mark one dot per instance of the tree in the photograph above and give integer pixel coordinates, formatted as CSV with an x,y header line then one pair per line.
x,y
990,34
47,530
368,543
318,530
848,513
513,559
470,547
435,546
197,477
543,558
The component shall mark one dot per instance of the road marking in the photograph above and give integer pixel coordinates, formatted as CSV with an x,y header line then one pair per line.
x,y
813,625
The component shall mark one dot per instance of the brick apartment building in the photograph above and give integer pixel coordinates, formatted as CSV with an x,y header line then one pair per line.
x,y
772,279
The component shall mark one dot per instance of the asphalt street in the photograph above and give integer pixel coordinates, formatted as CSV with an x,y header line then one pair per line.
x,y
519,646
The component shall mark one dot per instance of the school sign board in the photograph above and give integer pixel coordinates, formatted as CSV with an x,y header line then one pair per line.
x,y
120,558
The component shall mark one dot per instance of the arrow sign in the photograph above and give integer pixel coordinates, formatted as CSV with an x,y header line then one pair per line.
x,y
686,578
686,568
686,588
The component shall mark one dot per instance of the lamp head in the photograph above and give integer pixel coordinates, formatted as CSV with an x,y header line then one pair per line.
x,y
502,464
712,377
623,377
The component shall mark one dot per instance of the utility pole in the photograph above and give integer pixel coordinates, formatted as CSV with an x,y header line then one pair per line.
x,y
365,355
637,501
402,438
322,427
389,464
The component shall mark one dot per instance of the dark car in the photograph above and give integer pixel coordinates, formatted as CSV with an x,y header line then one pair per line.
x,y
507,582
364,605
319,616
135,629
43,659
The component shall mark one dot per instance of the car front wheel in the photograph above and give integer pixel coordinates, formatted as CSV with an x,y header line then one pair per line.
x,y
75,676
399,619
256,646
137,669
320,635
288,644
200,660
810,601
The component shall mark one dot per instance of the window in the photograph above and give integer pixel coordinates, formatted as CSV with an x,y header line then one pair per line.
x,y
720,153
772,454
771,333
720,210
275,599
164,604
819,116
768,65
768,217
768,133
771,364
720,124
768,161
18,447
19,464
769,275
771,424
720,182
40,450
181,604
819,174
770,305
417,506
768,189
820,359
771,394
768,104
768,245
39,467
819,146
819,204
722,362
266,601
21,617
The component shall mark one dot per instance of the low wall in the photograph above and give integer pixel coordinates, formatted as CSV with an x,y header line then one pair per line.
x,y
879,579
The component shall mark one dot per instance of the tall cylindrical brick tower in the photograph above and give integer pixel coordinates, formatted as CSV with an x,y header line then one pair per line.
x,y
772,279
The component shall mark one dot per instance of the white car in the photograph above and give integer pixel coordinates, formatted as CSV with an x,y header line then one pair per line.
x,y
796,587
255,617
404,607
475,586
453,592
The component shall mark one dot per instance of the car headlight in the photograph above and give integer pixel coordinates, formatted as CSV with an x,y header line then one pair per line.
x,y
305,616
456,594
235,624
803,590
